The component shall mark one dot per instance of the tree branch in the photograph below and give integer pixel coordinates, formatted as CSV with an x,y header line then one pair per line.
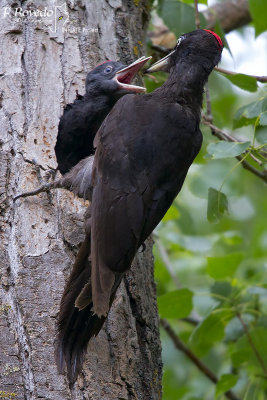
x,y
198,363
226,72
191,321
197,20
208,116
224,136
262,175
231,14
257,354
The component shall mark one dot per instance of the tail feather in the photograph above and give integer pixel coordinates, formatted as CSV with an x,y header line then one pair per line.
x,y
77,326
85,297
80,275
82,327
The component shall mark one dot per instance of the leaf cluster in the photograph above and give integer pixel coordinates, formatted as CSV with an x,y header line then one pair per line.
x,y
211,247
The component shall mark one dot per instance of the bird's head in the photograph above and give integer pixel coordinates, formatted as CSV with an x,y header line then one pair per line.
x,y
114,78
202,47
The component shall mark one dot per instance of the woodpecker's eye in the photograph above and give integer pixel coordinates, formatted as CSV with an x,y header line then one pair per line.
x,y
108,69
179,40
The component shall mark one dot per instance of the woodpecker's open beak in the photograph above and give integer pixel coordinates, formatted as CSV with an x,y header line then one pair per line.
x,y
125,76
160,65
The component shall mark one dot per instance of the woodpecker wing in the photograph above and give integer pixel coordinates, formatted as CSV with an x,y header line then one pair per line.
x,y
135,180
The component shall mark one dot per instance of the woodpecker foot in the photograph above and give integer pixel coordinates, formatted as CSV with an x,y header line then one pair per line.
x,y
37,166
44,188
50,174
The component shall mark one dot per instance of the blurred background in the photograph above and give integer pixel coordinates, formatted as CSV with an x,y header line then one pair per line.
x,y
211,247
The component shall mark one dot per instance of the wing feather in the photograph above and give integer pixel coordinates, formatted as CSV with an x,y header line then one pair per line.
x,y
132,185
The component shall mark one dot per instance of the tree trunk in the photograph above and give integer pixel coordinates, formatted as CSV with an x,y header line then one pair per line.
x,y
41,67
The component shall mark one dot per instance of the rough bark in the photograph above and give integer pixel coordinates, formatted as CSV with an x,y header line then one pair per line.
x,y
39,73
232,14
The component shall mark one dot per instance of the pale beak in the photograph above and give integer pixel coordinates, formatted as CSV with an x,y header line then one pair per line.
x,y
125,76
159,65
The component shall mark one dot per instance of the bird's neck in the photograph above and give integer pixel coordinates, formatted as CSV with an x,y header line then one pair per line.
x,y
99,100
185,85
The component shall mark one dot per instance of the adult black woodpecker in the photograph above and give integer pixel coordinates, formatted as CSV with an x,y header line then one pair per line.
x,y
80,121
144,149
78,125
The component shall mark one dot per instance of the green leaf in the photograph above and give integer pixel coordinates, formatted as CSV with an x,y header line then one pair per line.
x,y
227,149
178,16
244,354
226,382
159,6
250,110
261,134
223,267
246,115
210,330
243,121
223,289
263,101
261,127
240,357
232,238
176,304
171,214
152,84
217,205
162,275
243,81
194,398
258,11
263,118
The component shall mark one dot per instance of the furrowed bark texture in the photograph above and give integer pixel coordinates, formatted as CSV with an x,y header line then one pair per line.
x,y
40,69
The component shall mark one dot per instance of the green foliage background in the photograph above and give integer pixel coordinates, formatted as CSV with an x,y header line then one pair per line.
x,y
211,247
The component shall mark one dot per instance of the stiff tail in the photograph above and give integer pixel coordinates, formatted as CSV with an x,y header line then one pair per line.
x,y
75,327
71,346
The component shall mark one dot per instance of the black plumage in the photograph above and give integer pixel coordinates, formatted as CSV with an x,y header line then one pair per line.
x,y
144,149
80,121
